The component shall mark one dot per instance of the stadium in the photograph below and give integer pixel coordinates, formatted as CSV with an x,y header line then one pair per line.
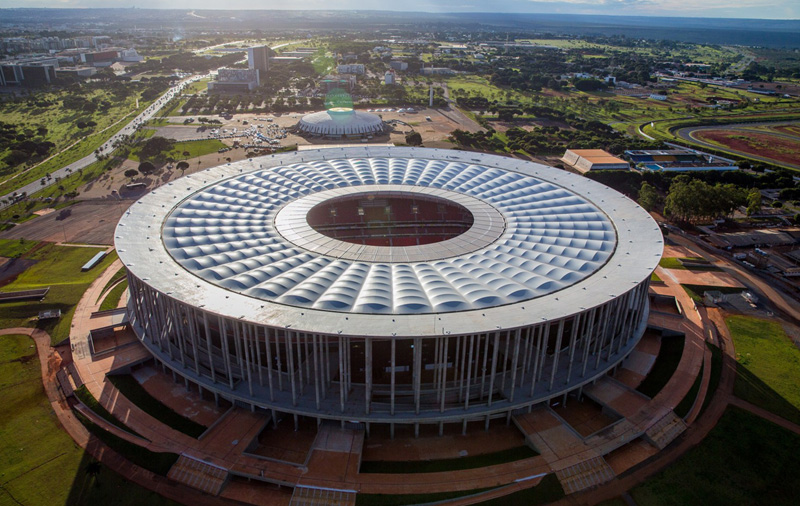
x,y
337,122
383,285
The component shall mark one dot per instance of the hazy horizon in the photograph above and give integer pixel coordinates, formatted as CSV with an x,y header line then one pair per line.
x,y
776,10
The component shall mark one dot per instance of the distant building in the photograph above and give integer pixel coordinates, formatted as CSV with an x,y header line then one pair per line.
x,y
389,77
398,65
76,71
234,81
657,96
130,55
28,72
99,58
585,160
437,71
351,68
258,59
345,82
677,160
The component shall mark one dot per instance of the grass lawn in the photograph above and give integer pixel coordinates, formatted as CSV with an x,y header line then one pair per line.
x,y
669,356
40,465
768,368
12,248
194,148
121,273
434,466
112,299
743,460
131,389
58,267
654,278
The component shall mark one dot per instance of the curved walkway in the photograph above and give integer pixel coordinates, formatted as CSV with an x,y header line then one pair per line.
x,y
165,439
50,361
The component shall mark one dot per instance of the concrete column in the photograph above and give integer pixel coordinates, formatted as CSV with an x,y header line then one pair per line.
x,y
483,366
341,374
316,369
368,373
557,353
417,372
278,359
247,359
392,384
576,323
495,347
209,348
443,379
226,355
514,365
299,363
505,361
268,348
256,341
469,371
290,360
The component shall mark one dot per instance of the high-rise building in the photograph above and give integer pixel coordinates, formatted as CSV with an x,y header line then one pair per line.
x,y
258,59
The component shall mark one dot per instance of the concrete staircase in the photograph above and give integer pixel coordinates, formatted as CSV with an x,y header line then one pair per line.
x,y
198,474
584,475
665,430
312,496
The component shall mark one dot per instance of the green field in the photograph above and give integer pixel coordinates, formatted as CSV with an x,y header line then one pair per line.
x,y
12,248
194,148
40,465
58,267
768,366
743,460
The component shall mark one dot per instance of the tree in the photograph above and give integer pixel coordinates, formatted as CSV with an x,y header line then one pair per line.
x,y
146,168
649,198
155,147
753,202
131,173
182,165
413,139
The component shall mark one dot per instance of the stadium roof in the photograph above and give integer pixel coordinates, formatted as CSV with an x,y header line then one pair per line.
x,y
233,240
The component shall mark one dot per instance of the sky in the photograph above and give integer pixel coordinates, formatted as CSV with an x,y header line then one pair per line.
x,y
760,9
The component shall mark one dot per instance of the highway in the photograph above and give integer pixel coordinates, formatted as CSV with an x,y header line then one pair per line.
x,y
107,146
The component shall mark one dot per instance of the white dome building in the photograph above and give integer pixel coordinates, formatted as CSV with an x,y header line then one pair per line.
x,y
341,122
388,285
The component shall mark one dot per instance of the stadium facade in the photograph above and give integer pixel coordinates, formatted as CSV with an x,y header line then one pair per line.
x,y
388,285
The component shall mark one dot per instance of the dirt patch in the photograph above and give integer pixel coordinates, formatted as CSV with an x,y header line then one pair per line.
x,y
10,268
793,130
777,148
528,124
